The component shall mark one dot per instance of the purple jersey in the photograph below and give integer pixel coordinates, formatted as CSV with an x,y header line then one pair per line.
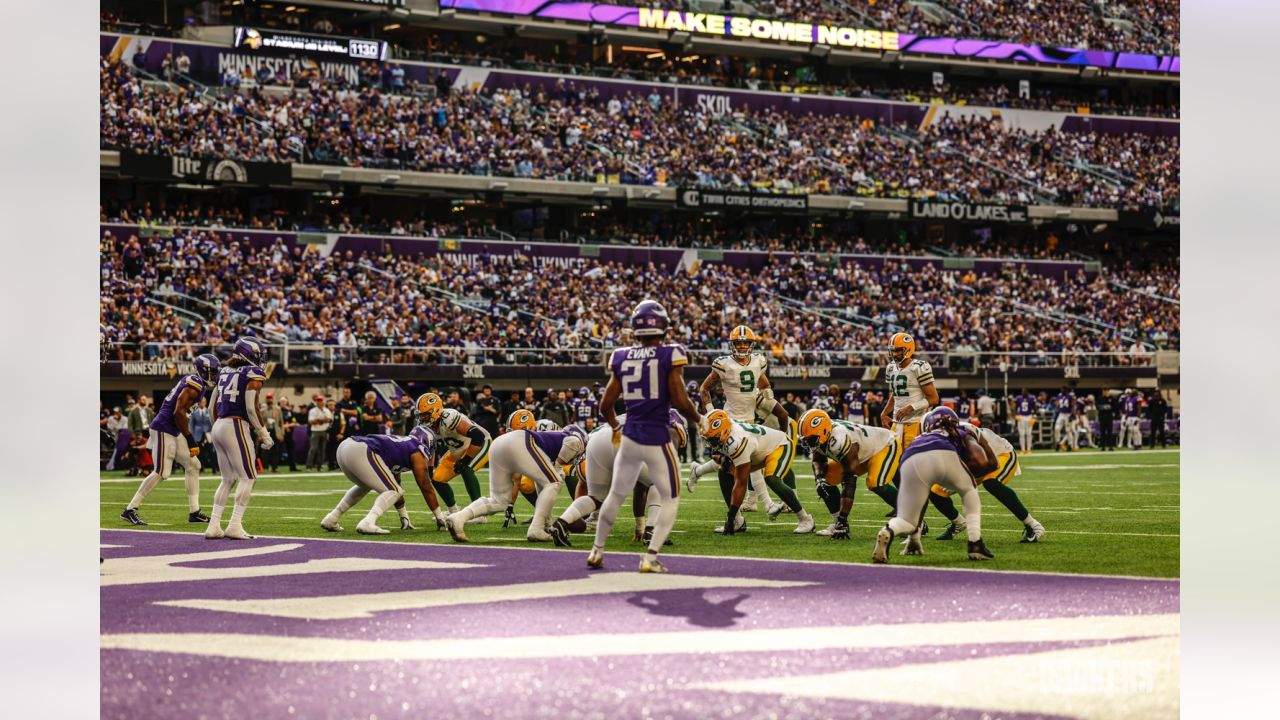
x,y
855,404
231,386
584,408
642,370
1024,405
926,442
396,451
163,421
550,442
1129,405
1064,403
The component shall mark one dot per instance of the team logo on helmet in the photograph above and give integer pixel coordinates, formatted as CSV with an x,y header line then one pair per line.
x,y
716,427
251,349
207,366
939,417
815,428
743,341
649,319
521,420
430,408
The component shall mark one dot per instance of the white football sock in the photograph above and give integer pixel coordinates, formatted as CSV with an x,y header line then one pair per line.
x,y
243,493
546,502
381,505
348,501
664,521
972,514
191,478
578,509
144,490
707,467
220,497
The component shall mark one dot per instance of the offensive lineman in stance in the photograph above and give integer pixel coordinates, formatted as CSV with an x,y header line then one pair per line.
x,y
171,440
234,411
848,450
951,456
649,377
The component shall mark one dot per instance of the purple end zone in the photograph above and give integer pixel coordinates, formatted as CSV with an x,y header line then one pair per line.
x,y
146,683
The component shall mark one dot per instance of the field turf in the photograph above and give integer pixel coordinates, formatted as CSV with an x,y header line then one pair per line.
x,y
1105,513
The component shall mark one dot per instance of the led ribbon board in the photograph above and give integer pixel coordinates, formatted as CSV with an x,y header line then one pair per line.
x,y
787,31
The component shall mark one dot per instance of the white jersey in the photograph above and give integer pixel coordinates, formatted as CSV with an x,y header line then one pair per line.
x,y
448,432
753,444
740,382
998,444
906,386
844,434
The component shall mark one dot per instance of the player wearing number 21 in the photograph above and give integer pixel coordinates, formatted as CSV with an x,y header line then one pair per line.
x,y
911,390
649,377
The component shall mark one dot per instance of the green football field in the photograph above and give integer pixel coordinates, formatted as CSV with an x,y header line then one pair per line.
x,y
1105,513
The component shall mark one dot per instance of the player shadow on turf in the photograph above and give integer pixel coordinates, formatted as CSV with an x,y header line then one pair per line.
x,y
697,609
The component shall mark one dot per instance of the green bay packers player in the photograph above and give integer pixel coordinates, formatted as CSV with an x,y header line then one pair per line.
x,y
749,448
467,447
741,376
996,483
850,450
911,390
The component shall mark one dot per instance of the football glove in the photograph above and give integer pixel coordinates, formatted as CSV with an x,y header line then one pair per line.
x,y
841,530
264,439
406,525
510,519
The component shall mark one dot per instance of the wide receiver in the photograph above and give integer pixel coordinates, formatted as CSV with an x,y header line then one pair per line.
x,y
649,377
741,377
749,448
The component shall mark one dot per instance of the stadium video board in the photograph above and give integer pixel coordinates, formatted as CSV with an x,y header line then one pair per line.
x,y
257,39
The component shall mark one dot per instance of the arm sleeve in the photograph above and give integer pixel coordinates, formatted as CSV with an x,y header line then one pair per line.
x,y
477,435
251,409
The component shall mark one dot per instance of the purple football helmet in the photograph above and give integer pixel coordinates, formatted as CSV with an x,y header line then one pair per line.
x,y
251,349
584,391
855,386
690,387
207,366
938,417
823,389
675,418
649,319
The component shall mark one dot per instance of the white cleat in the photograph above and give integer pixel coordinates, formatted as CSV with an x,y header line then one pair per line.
x,y
368,528
805,525
749,505
236,532
595,559
330,523
538,535
214,533
881,552
453,524
826,531
739,526
691,482
654,565
913,546
775,509
478,520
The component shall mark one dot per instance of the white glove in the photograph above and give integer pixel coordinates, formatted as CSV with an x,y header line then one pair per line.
x,y
264,439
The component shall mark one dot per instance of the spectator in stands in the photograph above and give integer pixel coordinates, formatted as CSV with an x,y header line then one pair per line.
x,y
319,422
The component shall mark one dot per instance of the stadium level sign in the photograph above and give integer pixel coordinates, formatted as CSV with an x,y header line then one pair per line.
x,y
247,38
189,169
742,201
967,212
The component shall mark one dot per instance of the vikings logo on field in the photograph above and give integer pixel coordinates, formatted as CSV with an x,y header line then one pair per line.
x,y
357,629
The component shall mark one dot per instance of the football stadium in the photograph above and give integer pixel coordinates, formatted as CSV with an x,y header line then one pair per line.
x,y
712,358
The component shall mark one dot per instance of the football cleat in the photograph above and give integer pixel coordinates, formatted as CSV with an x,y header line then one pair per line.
x,y
236,532
692,481
537,534
595,559
559,533
454,526
738,527
197,517
749,504
806,524
478,520
956,527
1032,533
371,529
880,554
440,523
924,528
648,537
131,516
214,533
330,523
775,509
913,547
651,565
840,529
978,551
826,531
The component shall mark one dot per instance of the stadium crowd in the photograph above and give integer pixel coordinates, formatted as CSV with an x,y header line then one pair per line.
x,y
810,310
574,134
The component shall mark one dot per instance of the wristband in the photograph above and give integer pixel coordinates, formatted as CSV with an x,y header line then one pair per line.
x,y
921,404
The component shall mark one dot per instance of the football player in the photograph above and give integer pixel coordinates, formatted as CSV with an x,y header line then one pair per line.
x,y
692,449
855,403
373,463
850,450
1065,409
950,456
997,483
171,440
597,469
1023,408
234,410
583,407
1131,420
524,485
750,448
540,455
467,443
649,378
740,375
911,389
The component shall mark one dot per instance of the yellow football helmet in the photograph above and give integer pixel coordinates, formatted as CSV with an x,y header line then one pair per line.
x,y
901,348
430,408
521,420
743,340
815,428
716,427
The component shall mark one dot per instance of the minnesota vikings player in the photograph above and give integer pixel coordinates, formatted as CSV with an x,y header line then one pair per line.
x,y
234,411
855,404
1131,420
1065,407
171,440
951,456
602,452
373,463
649,377
584,406
997,483
1023,407
740,376
540,455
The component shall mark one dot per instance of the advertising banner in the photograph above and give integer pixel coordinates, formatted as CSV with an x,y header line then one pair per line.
x,y
257,39
740,201
189,169
968,212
